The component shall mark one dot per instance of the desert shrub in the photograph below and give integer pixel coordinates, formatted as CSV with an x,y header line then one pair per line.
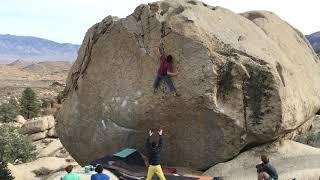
x,y
5,172
43,171
61,96
45,103
9,111
14,145
29,105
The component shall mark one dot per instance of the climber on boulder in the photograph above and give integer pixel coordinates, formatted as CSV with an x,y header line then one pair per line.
x,y
165,72
154,150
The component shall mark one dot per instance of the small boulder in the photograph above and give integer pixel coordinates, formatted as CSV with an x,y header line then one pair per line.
x,y
38,136
39,124
20,119
57,83
16,172
52,133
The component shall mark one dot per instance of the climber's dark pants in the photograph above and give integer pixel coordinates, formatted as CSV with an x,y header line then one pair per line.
x,y
167,79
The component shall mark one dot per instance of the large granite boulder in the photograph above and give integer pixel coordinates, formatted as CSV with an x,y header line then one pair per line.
x,y
244,79
38,124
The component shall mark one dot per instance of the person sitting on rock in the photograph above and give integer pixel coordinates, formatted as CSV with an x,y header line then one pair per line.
x,y
70,175
154,150
165,72
99,175
265,170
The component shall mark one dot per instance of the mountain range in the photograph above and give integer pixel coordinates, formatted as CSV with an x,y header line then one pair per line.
x,y
314,40
35,49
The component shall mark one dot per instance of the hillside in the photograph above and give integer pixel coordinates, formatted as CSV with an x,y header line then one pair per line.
x,y
314,40
35,49
16,76
20,63
48,67
23,70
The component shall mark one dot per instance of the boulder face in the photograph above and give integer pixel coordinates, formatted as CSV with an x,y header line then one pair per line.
x,y
244,79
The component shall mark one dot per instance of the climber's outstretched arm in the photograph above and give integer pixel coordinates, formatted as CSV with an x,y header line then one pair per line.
x,y
148,139
161,51
160,140
172,73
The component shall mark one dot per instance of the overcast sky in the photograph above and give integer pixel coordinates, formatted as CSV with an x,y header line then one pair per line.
x,y
68,20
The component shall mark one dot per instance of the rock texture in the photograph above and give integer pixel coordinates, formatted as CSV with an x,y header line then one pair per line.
x,y
245,79
50,147
291,159
17,174
40,128
38,124
312,136
52,164
52,133
20,119
37,136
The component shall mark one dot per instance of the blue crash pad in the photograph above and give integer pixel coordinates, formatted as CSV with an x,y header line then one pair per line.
x,y
125,153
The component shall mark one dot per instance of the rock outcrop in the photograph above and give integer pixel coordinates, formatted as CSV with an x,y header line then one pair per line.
x,y
52,133
244,79
37,136
312,136
38,124
20,119
17,174
51,158
40,128
291,159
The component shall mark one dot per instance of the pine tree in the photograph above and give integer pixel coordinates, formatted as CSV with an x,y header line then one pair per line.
x,y
29,105
9,111
61,96
5,172
45,103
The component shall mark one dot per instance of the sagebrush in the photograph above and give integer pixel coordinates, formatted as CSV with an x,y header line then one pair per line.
x,y
14,145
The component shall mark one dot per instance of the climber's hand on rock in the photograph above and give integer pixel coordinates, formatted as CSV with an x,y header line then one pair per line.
x,y
150,133
160,132
156,51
